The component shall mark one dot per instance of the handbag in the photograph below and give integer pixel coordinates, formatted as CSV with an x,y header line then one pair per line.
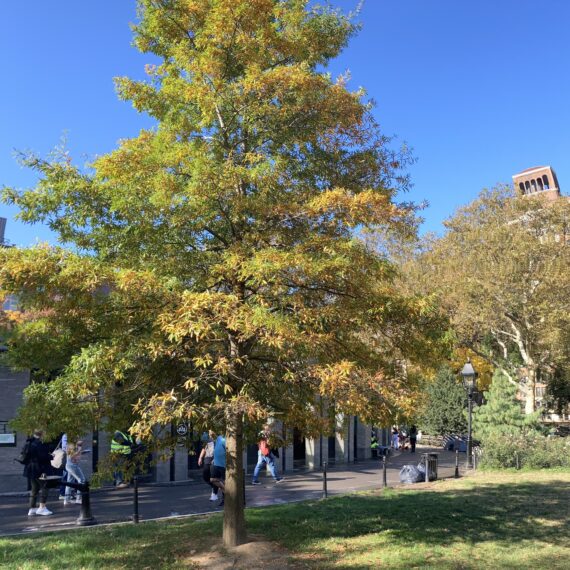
x,y
58,457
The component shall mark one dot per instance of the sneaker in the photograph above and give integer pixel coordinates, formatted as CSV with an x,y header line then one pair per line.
x,y
122,486
61,497
279,480
256,483
213,497
32,512
44,511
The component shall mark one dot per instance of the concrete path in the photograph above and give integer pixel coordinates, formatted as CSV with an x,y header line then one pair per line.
x,y
111,505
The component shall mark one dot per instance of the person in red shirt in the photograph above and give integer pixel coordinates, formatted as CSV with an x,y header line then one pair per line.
x,y
265,457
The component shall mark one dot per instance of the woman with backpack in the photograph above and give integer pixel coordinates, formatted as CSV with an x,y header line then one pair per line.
x,y
36,464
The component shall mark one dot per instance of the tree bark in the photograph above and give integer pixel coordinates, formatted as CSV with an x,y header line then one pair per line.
x,y
234,532
530,400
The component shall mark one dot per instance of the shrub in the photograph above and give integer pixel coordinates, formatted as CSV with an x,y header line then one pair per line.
x,y
531,451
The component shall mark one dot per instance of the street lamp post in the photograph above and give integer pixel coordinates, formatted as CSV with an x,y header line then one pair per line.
x,y
469,382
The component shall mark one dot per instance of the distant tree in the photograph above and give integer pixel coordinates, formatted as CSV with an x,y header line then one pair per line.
x,y
444,405
501,274
502,414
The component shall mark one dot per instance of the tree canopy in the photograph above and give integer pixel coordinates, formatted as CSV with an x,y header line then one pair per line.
x,y
501,273
212,269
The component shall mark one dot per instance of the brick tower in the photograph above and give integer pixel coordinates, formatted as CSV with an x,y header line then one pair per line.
x,y
539,180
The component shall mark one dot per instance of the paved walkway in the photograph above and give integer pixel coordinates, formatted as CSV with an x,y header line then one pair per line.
x,y
116,505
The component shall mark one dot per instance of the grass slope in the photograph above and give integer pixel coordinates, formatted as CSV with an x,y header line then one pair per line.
x,y
492,520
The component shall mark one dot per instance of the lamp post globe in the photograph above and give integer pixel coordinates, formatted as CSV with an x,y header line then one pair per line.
x,y
469,377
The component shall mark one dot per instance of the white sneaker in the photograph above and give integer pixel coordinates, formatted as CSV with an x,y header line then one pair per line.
x,y
44,511
32,512
61,497
213,497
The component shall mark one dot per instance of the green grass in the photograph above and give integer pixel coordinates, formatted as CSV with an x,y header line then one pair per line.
x,y
512,520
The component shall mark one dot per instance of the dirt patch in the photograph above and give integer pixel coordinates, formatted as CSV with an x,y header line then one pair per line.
x,y
256,554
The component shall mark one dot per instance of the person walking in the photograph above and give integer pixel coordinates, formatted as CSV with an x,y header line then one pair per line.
x,y
402,439
395,438
122,446
62,487
205,461
413,438
74,471
218,472
265,457
37,464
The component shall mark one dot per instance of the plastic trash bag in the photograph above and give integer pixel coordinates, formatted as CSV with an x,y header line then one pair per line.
x,y
410,474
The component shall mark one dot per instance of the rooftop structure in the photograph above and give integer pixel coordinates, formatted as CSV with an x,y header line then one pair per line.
x,y
537,180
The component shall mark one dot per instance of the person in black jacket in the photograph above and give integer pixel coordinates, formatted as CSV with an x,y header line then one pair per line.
x,y
37,464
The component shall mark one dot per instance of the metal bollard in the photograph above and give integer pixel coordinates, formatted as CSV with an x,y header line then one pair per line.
x,y
384,479
136,500
325,491
243,487
85,516
427,468
457,463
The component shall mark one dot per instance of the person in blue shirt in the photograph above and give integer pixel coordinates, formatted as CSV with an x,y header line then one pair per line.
x,y
218,471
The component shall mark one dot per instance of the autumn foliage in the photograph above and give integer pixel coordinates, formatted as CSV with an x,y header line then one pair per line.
x,y
213,269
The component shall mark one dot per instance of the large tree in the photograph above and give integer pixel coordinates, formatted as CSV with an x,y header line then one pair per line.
x,y
215,273
501,271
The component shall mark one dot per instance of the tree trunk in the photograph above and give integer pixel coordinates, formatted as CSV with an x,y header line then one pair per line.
x,y
234,518
530,400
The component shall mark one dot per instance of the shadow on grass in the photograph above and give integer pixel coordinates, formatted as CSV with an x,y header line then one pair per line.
x,y
505,513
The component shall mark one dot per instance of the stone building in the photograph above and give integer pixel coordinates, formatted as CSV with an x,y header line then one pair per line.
x,y
12,385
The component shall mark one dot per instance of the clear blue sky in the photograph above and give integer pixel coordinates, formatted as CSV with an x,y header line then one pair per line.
x,y
479,88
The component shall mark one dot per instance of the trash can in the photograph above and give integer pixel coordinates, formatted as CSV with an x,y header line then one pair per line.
x,y
428,465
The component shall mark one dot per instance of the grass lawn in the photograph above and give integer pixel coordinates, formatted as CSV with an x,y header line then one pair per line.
x,y
492,520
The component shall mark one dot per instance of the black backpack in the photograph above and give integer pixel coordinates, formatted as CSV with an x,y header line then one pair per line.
x,y
25,454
